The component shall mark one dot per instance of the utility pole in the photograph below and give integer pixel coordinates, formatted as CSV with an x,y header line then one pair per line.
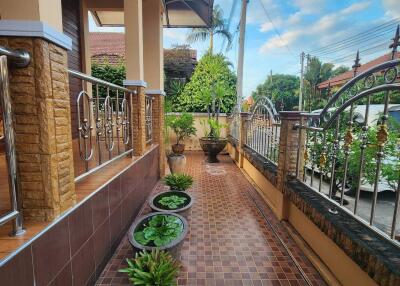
x,y
309,95
242,31
301,81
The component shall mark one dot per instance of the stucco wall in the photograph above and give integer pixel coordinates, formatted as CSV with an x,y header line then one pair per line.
x,y
192,143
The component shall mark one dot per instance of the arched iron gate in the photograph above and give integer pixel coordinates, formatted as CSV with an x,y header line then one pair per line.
x,y
352,146
263,129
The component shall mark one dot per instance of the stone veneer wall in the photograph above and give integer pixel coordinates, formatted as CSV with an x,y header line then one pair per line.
x,y
75,249
41,105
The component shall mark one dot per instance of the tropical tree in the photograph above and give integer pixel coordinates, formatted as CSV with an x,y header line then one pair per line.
x,y
218,27
283,90
211,71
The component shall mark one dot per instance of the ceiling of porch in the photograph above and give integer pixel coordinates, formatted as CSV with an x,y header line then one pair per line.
x,y
178,13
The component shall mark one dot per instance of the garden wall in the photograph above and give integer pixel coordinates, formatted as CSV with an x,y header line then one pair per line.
x,y
192,143
333,261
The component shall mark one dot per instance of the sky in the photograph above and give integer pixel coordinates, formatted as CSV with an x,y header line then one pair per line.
x,y
274,43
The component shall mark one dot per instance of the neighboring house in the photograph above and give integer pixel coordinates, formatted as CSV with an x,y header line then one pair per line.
x,y
109,48
338,81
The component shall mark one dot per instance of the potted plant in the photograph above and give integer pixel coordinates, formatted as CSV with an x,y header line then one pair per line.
x,y
212,143
152,268
183,127
178,182
162,230
172,201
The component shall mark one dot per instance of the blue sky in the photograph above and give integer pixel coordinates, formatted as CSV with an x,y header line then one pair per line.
x,y
303,25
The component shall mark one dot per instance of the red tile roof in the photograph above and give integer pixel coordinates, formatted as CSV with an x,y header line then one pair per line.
x,y
114,44
107,44
344,77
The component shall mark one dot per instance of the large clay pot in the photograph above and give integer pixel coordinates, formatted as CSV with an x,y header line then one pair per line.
x,y
182,210
176,163
212,147
178,148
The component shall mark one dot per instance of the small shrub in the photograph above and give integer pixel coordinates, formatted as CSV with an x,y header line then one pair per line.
x,y
152,268
182,125
179,182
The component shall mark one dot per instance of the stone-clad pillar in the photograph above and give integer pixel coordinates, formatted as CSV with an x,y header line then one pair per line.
x,y
158,129
242,135
138,126
41,109
288,150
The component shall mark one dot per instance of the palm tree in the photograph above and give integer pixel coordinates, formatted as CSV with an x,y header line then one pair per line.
x,y
217,27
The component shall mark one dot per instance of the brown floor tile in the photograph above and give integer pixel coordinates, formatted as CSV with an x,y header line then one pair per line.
x,y
231,240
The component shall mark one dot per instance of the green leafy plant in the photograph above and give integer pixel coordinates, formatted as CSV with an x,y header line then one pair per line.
x,y
160,230
182,125
179,182
212,70
212,128
172,202
152,268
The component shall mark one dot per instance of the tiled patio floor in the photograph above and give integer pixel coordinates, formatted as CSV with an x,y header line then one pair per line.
x,y
230,242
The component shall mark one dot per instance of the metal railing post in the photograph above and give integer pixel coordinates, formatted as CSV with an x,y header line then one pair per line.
x,y
10,146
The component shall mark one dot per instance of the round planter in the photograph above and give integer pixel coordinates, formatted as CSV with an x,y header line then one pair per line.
x,y
183,211
178,148
212,147
176,163
172,247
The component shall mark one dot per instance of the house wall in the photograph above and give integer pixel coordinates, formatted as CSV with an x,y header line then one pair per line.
x,y
74,249
71,19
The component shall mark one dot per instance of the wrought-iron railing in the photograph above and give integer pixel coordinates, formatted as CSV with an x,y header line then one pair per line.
x,y
352,147
234,124
263,129
103,123
149,118
17,58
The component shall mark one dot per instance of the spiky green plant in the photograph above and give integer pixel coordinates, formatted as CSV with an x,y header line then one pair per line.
x,y
155,268
178,182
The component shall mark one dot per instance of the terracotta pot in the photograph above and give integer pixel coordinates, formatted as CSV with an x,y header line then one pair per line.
x,y
178,148
176,163
212,147
173,247
183,211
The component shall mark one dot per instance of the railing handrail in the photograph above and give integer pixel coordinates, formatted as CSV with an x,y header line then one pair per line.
x,y
96,80
19,58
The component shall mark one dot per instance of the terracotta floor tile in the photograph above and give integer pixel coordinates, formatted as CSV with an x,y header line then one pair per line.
x,y
231,239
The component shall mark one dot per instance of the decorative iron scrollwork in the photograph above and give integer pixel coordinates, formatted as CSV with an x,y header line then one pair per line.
x,y
85,127
125,121
108,124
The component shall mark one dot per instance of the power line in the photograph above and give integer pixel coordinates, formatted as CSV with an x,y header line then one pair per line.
x,y
357,36
274,27
367,51
228,26
371,39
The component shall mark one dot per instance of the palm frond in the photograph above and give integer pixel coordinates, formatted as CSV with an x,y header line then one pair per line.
x,y
198,34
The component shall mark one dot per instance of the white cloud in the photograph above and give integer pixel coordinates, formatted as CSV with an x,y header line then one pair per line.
x,y
268,26
392,8
309,6
315,31
356,7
